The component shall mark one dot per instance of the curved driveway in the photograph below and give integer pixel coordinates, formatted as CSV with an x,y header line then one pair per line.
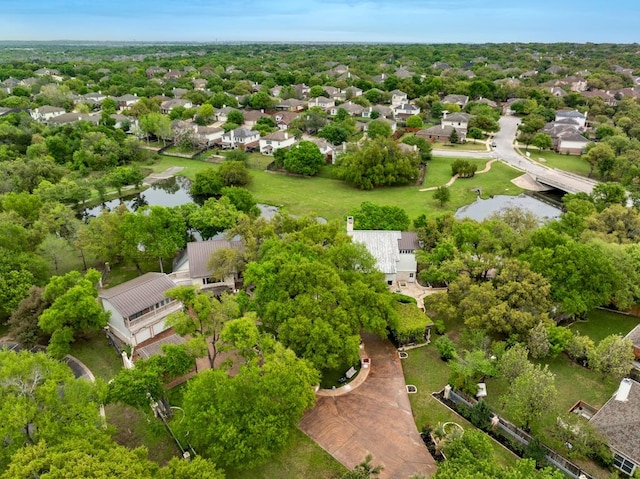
x,y
373,418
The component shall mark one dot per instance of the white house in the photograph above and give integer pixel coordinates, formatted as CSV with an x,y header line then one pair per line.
x,y
398,97
46,112
394,252
456,120
321,102
240,137
139,307
209,135
275,141
405,110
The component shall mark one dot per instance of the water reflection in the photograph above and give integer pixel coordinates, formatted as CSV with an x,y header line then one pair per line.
x,y
481,209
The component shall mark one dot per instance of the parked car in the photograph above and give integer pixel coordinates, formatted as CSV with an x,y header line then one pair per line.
x,y
494,144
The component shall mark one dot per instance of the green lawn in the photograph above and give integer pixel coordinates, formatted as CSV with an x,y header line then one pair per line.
x,y
424,369
97,355
302,459
600,324
571,163
332,199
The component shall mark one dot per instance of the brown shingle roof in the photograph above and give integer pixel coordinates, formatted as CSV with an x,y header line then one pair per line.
x,y
138,294
619,421
199,253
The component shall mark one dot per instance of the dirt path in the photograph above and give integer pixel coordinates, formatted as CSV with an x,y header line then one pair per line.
x,y
486,168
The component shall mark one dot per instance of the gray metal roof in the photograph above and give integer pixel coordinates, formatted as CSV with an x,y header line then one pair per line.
x,y
138,294
383,245
619,421
200,252
408,241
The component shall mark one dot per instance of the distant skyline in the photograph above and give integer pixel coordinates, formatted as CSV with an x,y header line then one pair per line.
x,y
402,21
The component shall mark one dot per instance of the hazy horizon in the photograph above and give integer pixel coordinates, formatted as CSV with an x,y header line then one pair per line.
x,y
336,21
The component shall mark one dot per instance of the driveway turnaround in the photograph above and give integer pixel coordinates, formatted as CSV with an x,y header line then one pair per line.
x,y
374,417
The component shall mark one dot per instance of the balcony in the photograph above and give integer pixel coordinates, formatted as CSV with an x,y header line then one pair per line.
x,y
154,316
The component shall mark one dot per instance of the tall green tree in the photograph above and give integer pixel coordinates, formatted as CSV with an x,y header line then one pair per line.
x,y
305,158
380,217
613,356
530,395
74,309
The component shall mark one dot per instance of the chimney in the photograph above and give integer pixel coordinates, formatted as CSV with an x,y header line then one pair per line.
x,y
444,114
261,110
349,224
286,135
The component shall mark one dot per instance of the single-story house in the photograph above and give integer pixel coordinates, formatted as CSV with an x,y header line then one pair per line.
x,y
275,141
619,421
441,133
394,251
461,100
352,108
291,104
139,307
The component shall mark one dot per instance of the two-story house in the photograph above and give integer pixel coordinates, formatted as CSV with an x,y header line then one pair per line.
x,y
240,137
46,113
191,268
139,307
275,141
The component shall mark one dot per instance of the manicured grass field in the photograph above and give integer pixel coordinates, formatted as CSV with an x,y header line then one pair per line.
x,y
302,459
571,163
333,199
600,324
97,355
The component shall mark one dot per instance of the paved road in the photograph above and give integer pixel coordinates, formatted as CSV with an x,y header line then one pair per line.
x,y
505,151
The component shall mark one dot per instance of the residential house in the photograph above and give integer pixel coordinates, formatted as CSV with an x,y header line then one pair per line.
x,y
326,148
222,113
352,108
46,113
348,76
405,110
73,117
333,92
275,141
125,101
441,66
240,138
50,72
461,100
191,267
557,91
619,421
284,118
379,78
94,98
302,90
398,97
529,74
634,337
178,92
338,70
566,136
291,104
402,73
173,75
441,133
199,84
382,110
168,105
394,252
251,117
208,135
459,121
488,102
581,118
321,102
153,71
10,82
607,97
139,307
352,92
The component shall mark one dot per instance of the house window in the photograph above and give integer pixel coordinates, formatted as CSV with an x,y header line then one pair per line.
x,y
389,282
624,464
410,275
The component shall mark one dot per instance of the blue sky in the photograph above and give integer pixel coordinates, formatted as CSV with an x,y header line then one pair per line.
x,y
419,21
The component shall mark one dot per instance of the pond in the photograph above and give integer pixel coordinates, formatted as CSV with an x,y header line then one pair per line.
x,y
171,192
481,209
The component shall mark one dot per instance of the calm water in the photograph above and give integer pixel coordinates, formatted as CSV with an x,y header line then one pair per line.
x,y
481,209
171,192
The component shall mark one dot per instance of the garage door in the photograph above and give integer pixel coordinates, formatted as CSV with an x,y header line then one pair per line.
x,y
143,335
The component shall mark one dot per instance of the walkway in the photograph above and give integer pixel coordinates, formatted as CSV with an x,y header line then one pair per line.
x,y
165,175
486,168
373,418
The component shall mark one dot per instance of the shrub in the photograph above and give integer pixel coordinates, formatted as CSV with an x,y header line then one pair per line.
x,y
445,347
439,326
579,348
480,415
